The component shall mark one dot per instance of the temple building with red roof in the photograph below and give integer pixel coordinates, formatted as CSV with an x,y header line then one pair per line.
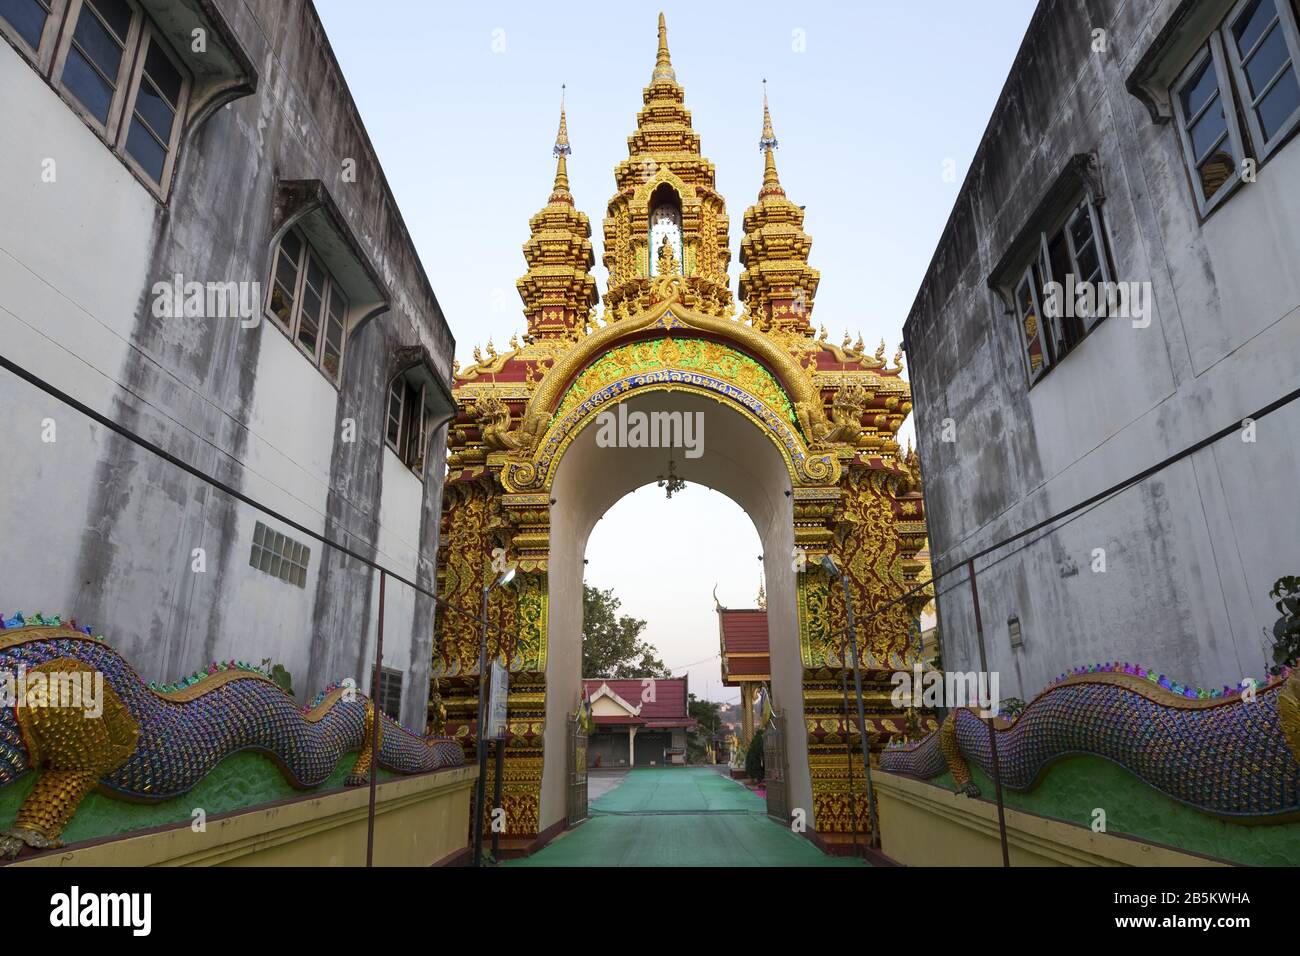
x,y
742,636
638,723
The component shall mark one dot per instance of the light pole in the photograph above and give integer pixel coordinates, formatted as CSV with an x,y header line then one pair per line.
x,y
828,565
480,786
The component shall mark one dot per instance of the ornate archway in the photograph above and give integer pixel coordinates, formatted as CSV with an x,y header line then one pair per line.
x,y
669,328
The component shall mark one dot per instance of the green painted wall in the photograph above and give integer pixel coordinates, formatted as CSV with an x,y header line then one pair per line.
x,y
240,782
1074,786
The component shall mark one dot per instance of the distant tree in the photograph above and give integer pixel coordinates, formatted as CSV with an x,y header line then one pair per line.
x,y
708,721
611,642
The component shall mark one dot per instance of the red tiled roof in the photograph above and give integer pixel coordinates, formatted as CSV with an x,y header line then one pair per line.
x,y
669,696
744,645
745,631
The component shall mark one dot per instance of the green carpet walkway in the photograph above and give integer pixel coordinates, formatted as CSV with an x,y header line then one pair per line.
x,y
680,816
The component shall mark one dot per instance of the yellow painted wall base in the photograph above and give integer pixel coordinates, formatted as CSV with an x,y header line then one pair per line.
x,y
418,822
925,825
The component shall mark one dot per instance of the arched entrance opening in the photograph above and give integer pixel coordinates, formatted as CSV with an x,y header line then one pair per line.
x,y
737,459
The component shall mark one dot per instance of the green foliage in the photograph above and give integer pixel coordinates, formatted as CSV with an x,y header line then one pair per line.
x,y
611,643
1286,631
1011,707
708,721
754,758
278,674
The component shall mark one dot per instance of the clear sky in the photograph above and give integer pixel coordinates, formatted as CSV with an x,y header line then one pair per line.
x,y
871,101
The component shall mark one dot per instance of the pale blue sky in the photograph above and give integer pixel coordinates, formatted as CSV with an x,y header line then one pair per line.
x,y
868,99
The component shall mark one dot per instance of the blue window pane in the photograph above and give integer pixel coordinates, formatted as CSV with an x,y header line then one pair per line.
x,y
116,14
27,17
164,75
1208,130
1198,90
144,149
1252,23
155,111
1279,105
88,86
98,44
1267,60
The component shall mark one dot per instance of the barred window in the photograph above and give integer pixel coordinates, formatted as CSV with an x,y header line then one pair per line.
x,y
390,692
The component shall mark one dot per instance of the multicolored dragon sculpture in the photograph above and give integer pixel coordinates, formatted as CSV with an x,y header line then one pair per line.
x,y
139,743
1233,754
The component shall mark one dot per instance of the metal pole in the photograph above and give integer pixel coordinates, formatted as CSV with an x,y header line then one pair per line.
x,y
862,716
499,751
374,728
848,761
481,785
993,739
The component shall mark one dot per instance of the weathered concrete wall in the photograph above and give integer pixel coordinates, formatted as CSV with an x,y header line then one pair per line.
x,y
97,528
1191,552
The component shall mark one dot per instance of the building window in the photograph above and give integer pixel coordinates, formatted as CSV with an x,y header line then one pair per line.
x,y
1264,47
112,66
26,19
1053,318
279,556
390,692
1247,66
308,303
407,421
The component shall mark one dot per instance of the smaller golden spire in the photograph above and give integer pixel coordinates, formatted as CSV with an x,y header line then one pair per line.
x,y
768,141
768,144
663,63
560,191
562,137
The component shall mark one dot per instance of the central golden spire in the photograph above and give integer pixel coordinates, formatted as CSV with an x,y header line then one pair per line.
x,y
665,172
663,63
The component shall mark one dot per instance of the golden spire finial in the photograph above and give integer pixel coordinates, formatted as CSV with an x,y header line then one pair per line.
x,y
768,141
768,144
562,137
560,191
663,64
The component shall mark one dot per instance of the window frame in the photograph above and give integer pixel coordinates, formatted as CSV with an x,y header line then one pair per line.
x,y
1099,244
292,329
1213,50
1030,276
149,38
50,59
384,680
42,53
107,129
1038,273
402,446
1286,22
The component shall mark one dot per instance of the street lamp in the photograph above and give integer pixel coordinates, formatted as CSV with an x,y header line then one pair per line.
x,y
828,565
504,578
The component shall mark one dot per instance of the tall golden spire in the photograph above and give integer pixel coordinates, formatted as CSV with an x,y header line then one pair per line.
x,y
560,192
663,63
777,285
768,144
558,289
665,167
